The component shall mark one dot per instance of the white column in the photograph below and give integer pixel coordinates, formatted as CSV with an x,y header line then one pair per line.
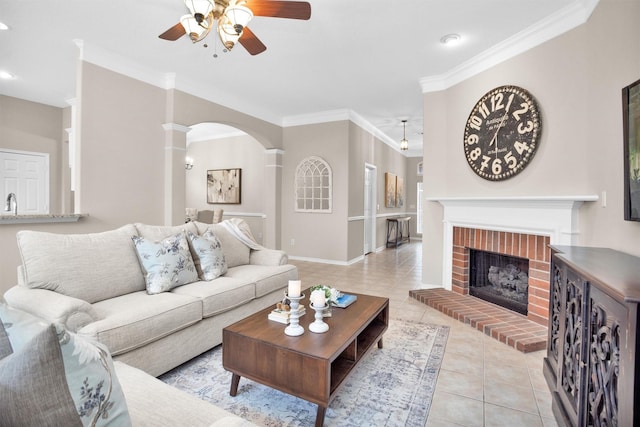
x,y
174,173
272,198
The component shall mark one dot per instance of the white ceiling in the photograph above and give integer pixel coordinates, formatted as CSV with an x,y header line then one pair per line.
x,y
370,59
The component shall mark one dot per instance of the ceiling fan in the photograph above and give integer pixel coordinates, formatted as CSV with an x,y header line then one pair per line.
x,y
232,17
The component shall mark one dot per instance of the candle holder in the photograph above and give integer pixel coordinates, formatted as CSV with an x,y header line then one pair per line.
x,y
318,326
294,329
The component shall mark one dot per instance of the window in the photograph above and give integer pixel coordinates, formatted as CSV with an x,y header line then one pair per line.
x,y
313,186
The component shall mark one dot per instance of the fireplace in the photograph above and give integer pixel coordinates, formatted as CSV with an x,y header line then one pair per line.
x,y
516,226
533,249
500,279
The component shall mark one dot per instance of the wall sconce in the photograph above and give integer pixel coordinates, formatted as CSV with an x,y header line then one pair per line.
x,y
188,163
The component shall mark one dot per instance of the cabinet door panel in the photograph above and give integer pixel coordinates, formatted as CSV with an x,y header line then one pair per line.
x,y
571,364
554,344
606,341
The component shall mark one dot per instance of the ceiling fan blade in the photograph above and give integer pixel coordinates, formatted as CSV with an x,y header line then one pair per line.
x,y
173,33
280,9
250,42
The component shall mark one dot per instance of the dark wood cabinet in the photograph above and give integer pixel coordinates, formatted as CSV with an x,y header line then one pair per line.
x,y
591,360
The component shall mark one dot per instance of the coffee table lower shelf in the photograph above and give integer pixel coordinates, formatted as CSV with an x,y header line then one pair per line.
x,y
312,366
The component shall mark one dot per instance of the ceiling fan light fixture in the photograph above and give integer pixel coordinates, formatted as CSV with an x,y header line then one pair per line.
x,y
227,33
239,17
193,28
202,7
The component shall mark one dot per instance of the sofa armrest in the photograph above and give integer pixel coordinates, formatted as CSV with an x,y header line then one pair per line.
x,y
268,257
72,313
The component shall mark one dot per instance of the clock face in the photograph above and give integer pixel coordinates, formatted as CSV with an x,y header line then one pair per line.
x,y
502,133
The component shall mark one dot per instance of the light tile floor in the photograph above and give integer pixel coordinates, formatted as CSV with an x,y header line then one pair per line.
x,y
482,382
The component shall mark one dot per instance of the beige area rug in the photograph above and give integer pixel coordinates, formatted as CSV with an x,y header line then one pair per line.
x,y
392,386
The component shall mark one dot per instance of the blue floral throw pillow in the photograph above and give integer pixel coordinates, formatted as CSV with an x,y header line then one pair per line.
x,y
92,381
88,369
208,255
167,263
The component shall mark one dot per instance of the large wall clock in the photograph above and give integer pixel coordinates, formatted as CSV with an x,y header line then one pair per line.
x,y
502,133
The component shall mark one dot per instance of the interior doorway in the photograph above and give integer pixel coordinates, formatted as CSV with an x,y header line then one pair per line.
x,y
26,174
370,207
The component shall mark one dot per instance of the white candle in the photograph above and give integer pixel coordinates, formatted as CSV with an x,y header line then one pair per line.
x,y
318,298
294,288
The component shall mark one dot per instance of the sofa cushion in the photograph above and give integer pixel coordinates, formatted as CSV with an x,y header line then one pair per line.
x,y
267,278
207,255
32,384
91,267
166,263
159,232
235,252
134,320
219,295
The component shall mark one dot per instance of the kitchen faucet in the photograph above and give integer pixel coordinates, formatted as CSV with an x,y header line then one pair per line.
x,y
12,197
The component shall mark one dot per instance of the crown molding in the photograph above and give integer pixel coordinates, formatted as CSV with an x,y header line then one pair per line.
x,y
568,18
342,115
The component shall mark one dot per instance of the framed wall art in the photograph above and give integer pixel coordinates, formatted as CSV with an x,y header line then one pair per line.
x,y
223,186
399,192
389,190
631,132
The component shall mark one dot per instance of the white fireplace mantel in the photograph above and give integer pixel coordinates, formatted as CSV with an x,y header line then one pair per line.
x,y
553,216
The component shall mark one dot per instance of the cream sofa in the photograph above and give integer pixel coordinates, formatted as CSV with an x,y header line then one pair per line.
x,y
94,285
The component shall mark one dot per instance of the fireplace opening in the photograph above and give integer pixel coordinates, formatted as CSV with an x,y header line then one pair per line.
x,y
500,279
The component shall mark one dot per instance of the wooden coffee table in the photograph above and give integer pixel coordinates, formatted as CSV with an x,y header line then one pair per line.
x,y
311,366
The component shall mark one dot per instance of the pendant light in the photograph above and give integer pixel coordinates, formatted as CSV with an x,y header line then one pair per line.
x,y
404,144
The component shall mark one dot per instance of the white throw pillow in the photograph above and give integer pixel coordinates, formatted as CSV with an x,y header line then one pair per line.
x,y
167,263
208,255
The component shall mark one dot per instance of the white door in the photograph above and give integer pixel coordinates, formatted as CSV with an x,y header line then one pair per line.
x,y
369,209
27,176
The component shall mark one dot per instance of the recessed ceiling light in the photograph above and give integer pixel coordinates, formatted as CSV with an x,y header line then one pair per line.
x,y
450,39
3,26
5,75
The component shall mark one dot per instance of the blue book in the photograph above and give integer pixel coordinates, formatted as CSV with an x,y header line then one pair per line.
x,y
345,300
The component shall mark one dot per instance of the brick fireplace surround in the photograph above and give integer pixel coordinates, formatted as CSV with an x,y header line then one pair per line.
x,y
516,226
522,333
532,247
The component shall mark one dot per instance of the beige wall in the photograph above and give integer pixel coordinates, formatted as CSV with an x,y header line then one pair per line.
x,y
364,148
577,79
242,152
122,149
613,63
316,235
186,109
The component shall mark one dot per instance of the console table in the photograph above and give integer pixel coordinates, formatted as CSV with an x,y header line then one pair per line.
x,y
397,231
591,362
